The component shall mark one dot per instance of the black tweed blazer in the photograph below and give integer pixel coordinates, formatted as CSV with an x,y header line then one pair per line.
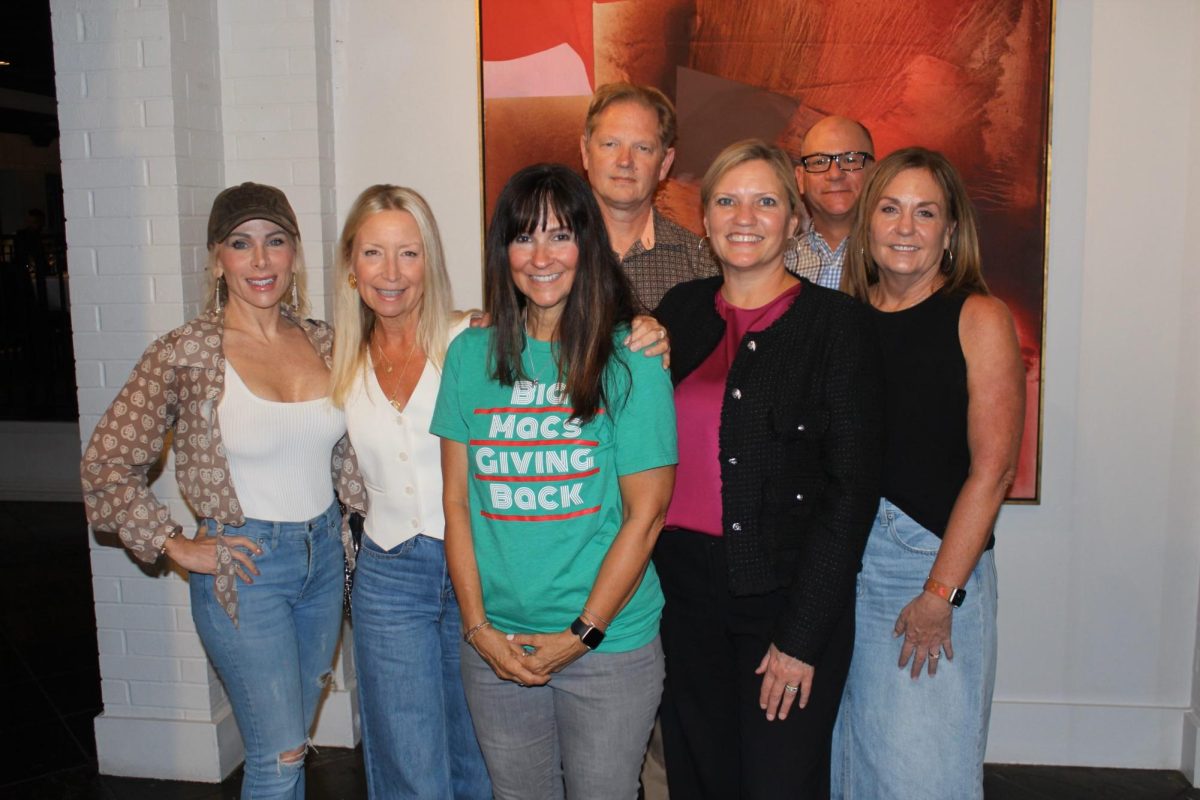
x,y
801,448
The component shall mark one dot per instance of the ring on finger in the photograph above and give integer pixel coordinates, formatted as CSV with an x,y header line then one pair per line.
x,y
662,334
787,687
934,654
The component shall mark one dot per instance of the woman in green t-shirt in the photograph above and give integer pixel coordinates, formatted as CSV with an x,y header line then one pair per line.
x,y
558,457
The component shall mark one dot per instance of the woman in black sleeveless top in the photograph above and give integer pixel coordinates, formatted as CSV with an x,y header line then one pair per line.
x,y
955,407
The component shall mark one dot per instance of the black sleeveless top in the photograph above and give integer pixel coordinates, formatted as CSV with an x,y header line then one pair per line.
x,y
926,457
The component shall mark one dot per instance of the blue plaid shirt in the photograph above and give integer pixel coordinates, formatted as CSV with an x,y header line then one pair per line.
x,y
813,259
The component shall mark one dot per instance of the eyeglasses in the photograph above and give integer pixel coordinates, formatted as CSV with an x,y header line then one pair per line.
x,y
852,161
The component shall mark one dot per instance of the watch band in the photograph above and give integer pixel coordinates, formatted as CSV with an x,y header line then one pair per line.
x,y
589,634
954,595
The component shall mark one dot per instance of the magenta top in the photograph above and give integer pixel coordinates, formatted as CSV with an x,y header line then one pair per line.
x,y
696,501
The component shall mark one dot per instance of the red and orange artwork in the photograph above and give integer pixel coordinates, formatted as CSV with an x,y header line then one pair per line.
x,y
970,78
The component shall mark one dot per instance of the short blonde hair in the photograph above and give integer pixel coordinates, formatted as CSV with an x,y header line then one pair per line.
x,y
299,272
354,320
746,150
962,268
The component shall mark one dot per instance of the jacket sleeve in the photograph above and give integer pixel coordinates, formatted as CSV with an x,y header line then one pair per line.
x,y
851,462
350,490
128,441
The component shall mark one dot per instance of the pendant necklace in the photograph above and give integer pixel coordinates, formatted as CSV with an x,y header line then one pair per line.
x,y
535,375
387,370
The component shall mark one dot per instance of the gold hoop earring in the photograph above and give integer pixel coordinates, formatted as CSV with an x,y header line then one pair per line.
x,y
700,245
352,279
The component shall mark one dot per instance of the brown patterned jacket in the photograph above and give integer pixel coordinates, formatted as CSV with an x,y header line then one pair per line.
x,y
176,388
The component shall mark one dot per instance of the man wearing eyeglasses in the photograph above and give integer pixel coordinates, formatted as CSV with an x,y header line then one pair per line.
x,y
837,152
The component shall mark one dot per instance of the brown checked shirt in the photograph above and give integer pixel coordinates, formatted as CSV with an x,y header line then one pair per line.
x,y
675,257
176,387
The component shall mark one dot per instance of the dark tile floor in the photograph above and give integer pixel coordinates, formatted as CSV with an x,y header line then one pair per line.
x,y
49,670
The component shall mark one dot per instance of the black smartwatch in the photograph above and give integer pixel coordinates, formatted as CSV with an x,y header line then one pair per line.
x,y
589,634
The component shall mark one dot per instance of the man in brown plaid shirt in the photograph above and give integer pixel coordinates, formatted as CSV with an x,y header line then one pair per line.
x,y
627,151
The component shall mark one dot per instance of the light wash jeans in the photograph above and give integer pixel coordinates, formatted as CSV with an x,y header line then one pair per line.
x,y
417,736
587,728
897,738
276,663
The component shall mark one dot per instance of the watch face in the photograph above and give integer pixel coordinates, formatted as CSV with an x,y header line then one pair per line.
x,y
590,635
593,638
957,597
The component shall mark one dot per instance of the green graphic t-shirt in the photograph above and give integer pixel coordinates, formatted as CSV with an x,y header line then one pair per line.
x,y
545,501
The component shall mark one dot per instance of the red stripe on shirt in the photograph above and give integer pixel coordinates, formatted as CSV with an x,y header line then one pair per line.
x,y
536,478
539,518
531,442
529,410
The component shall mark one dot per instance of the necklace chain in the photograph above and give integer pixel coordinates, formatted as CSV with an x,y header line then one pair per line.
x,y
387,369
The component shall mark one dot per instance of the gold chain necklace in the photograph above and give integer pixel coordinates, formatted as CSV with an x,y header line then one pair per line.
x,y
387,370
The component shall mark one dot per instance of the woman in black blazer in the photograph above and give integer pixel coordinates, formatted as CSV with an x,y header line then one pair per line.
x,y
779,415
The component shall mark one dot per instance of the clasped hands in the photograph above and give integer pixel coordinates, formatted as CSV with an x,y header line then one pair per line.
x,y
528,659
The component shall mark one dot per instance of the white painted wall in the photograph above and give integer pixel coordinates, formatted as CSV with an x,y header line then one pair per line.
x,y
1099,584
406,105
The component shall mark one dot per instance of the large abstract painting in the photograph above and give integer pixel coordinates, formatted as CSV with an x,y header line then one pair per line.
x,y
968,77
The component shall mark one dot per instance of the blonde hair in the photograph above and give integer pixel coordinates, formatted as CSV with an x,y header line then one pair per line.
x,y
961,268
354,320
299,271
649,97
746,150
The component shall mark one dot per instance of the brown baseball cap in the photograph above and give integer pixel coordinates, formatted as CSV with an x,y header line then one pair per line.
x,y
238,204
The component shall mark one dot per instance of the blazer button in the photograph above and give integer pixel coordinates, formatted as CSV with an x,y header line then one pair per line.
x,y
800,427
733,460
737,394
800,497
737,526
751,345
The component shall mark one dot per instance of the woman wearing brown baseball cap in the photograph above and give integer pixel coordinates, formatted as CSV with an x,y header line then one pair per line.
x,y
244,390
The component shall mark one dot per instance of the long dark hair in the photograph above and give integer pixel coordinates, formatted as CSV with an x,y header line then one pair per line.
x,y
600,298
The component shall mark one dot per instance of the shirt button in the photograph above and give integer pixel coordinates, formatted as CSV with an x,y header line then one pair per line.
x,y
737,526
736,394
403,456
751,345
733,460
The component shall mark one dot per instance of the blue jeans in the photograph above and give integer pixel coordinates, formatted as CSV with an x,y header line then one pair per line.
x,y
588,727
900,738
418,741
276,664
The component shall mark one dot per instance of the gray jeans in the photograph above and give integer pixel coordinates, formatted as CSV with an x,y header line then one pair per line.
x,y
585,731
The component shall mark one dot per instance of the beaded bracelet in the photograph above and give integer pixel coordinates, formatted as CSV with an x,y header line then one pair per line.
x,y
469,635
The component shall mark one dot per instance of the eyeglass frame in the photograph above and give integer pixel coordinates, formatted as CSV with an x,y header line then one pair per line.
x,y
837,158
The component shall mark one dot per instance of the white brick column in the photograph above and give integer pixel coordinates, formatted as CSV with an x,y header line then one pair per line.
x,y
162,103
139,112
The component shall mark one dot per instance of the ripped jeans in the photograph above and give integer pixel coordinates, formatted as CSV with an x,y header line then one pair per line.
x,y
275,664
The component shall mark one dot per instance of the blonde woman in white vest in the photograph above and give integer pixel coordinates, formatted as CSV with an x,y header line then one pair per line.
x,y
394,319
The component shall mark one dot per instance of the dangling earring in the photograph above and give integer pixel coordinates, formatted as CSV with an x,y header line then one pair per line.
x,y
352,279
217,294
295,295
700,245
947,260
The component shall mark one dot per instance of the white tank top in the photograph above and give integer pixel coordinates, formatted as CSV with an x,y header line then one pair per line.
x,y
279,453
